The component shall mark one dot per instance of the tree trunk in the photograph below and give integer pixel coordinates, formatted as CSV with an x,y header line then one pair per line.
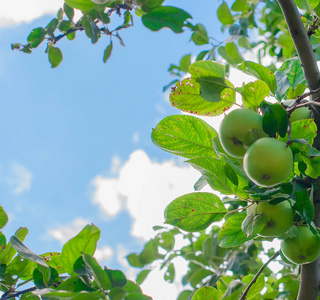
x,y
309,282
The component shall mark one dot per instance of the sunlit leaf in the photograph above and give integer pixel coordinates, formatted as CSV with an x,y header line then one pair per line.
x,y
195,211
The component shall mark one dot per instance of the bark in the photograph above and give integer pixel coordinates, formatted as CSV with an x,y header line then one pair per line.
x,y
309,283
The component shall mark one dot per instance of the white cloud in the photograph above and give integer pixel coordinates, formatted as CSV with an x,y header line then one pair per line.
x,y
17,177
144,188
63,233
15,12
104,253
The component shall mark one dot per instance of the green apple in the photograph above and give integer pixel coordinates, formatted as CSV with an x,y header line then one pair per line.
x,y
299,113
279,217
239,129
302,249
268,162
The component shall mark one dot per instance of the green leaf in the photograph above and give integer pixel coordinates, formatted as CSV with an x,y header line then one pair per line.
x,y
100,276
51,294
186,97
231,234
185,295
253,224
69,11
142,276
210,75
84,242
261,73
107,52
36,37
95,32
137,296
231,54
3,218
198,276
224,14
53,259
165,16
134,260
200,35
275,119
206,292
148,5
170,273
21,267
313,166
257,287
26,252
253,93
240,6
55,56
83,5
213,170
293,70
301,130
186,136
8,252
304,206
195,211
117,278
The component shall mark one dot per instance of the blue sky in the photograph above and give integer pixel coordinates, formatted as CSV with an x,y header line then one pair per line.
x,y
75,137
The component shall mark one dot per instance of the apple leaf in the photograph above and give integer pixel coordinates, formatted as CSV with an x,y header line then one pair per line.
x,y
253,93
186,136
224,14
231,234
303,205
253,224
186,97
211,77
166,16
200,35
257,287
261,73
275,119
231,54
84,242
312,164
195,211
302,132
206,292
293,70
213,170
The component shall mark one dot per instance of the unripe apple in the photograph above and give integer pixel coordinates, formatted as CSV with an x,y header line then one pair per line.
x,y
299,113
239,129
302,249
279,217
268,162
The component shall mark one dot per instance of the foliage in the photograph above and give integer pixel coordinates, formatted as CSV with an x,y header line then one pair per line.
x,y
222,260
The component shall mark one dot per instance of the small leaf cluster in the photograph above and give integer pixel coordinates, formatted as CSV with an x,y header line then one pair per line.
x,y
73,273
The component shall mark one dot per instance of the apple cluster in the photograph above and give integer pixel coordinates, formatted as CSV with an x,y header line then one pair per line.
x,y
267,162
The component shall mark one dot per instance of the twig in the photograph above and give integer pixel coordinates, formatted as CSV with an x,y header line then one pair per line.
x,y
244,295
17,294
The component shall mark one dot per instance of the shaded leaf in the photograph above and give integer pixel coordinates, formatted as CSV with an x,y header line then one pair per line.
x,y
55,56
165,16
231,234
107,52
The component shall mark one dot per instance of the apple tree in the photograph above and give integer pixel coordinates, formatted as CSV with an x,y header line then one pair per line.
x,y
262,166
